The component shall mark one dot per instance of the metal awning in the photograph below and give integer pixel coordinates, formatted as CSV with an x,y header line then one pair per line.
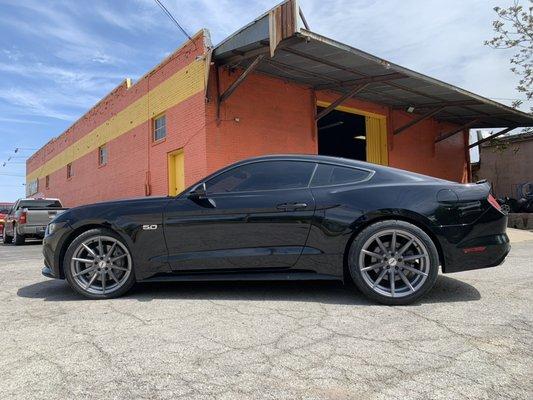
x,y
296,54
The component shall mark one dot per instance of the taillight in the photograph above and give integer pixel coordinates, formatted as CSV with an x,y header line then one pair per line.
x,y
23,217
494,202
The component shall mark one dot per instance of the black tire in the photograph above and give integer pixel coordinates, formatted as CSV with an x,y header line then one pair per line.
x,y
74,284
431,263
6,239
18,240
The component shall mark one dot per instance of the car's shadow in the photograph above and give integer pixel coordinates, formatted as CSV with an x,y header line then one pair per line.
x,y
446,290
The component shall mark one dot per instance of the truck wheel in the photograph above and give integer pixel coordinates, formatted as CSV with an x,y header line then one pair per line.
x,y
18,240
6,239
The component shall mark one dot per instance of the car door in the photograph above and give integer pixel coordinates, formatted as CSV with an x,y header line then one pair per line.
x,y
254,215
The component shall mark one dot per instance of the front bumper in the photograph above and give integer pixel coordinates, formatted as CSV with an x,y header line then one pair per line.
x,y
48,272
52,245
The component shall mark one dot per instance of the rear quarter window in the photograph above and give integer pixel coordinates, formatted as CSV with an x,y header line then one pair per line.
x,y
326,175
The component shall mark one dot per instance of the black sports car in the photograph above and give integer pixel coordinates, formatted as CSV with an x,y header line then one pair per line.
x,y
285,217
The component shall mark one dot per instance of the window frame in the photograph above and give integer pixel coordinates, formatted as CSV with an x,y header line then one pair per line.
x,y
69,171
154,130
47,182
103,147
258,190
371,173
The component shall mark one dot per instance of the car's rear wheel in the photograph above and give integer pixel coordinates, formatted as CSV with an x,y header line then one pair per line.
x,y
393,262
18,239
98,265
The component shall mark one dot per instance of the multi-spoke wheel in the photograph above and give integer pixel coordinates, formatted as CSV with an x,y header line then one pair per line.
x,y
98,265
393,262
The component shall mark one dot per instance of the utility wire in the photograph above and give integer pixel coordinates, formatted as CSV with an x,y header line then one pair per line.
x,y
172,18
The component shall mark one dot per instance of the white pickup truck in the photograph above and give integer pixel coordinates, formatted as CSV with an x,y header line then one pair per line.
x,y
28,219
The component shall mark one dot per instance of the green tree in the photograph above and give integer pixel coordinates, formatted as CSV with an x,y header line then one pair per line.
x,y
514,30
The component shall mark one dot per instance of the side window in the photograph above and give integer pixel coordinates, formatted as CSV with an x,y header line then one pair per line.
x,y
334,175
264,175
159,128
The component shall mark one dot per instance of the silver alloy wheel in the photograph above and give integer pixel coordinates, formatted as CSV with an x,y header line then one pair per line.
x,y
394,263
101,265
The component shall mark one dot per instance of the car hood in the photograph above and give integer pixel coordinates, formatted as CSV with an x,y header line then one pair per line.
x,y
110,210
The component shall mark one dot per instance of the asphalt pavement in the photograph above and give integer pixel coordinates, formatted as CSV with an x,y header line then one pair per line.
x,y
470,338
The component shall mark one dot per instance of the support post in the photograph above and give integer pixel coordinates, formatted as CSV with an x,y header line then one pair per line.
x,y
421,118
302,16
340,100
495,135
229,91
468,125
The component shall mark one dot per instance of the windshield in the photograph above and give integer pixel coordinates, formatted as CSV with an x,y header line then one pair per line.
x,y
39,204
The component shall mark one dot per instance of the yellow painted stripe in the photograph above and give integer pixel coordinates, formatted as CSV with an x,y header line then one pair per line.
x,y
179,87
351,110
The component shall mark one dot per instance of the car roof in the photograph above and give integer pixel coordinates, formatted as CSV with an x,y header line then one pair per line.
x,y
382,170
313,158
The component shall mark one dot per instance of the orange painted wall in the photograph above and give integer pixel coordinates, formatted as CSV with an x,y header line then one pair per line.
x,y
273,117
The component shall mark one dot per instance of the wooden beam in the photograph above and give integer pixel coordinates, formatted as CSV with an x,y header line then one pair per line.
x,y
340,100
468,125
421,118
229,91
491,137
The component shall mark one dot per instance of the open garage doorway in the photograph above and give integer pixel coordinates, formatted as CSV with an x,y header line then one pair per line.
x,y
342,134
351,133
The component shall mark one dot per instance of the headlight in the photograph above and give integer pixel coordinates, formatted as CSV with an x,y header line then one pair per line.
x,y
50,228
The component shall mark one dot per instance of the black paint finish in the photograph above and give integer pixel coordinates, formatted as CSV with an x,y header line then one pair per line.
x,y
290,233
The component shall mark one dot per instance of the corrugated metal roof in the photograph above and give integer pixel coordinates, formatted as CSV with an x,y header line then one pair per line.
x,y
314,60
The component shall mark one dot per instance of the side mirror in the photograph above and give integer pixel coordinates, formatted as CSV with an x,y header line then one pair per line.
x,y
199,192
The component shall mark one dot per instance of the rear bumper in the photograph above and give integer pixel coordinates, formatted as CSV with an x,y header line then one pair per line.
x,y
483,244
31,230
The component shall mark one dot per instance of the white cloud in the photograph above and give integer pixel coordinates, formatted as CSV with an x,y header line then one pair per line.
x,y
46,103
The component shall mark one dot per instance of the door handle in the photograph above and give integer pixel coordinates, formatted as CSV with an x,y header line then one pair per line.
x,y
291,206
298,206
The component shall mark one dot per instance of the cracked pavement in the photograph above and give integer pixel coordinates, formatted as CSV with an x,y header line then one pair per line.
x,y
470,338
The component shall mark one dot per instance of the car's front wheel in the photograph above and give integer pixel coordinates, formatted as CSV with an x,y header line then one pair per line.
x,y
393,262
6,239
98,265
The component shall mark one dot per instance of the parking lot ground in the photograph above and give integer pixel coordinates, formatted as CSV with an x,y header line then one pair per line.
x,y
471,338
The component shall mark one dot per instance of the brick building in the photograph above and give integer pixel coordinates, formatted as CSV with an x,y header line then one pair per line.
x,y
272,87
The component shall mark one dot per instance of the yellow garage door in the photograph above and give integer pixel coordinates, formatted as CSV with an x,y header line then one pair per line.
x,y
176,172
377,151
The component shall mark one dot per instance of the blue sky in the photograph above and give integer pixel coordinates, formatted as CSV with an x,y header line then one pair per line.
x,y
57,58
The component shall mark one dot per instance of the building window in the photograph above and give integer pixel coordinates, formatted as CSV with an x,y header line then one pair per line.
x,y
102,155
160,128
69,170
47,182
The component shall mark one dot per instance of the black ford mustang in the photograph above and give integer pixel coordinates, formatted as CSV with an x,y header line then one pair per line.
x,y
287,217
